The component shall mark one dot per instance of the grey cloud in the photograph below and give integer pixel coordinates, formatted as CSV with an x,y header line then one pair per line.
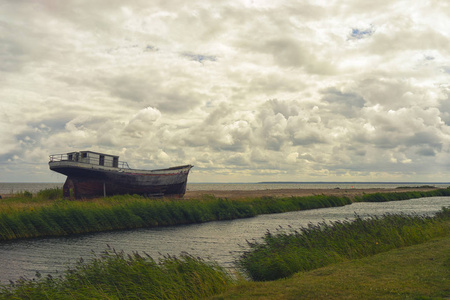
x,y
444,107
272,131
358,151
142,122
221,138
271,83
307,138
244,90
12,55
427,137
411,128
286,108
222,111
19,46
391,93
238,160
55,124
290,52
426,152
347,104
132,88
406,39
280,39
287,52
301,131
155,91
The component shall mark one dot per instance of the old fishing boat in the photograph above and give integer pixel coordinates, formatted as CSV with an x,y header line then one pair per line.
x,y
92,174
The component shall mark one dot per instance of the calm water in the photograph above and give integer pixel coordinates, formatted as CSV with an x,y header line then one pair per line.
x,y
220,241
11,188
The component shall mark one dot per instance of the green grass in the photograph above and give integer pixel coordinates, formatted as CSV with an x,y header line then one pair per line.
x,y
48,214
363,272
26,217
417,272
383,197
115,275
282,254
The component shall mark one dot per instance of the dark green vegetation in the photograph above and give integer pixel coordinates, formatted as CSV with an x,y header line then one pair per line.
x,y
384,197
282,254
25,217
118,276
413,187
416,272
48,214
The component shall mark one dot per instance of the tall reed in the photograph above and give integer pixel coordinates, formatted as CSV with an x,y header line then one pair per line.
x,y
114,275
383,197
281,254
48,214
64,217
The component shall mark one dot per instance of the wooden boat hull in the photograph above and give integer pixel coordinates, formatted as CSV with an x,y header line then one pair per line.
x,y
87,181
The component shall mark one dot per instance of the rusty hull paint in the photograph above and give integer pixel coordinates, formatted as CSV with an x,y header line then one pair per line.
x,y
76,187
88,183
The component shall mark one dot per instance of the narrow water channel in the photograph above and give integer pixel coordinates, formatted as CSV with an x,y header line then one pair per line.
x,y
219,241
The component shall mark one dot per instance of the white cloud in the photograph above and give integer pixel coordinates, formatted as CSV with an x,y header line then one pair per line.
x,y
244,90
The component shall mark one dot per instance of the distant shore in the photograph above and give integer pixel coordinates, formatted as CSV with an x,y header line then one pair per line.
x,y
342,192
351,193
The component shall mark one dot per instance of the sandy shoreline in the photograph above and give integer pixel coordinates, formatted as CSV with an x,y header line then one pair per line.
x,y
351,193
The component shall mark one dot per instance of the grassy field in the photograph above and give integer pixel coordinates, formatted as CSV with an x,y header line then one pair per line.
x,y
282,254
416,272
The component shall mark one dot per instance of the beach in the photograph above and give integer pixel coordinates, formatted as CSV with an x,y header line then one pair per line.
x,y
351,193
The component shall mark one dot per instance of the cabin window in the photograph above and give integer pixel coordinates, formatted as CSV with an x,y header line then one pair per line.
x,y
70,157
115,162
102,160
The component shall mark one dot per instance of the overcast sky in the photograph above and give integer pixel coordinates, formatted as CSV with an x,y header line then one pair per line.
x,y
244,90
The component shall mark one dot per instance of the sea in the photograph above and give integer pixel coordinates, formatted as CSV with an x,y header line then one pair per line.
x,y
8,188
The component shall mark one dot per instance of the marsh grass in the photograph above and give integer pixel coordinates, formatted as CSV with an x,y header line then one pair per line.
x,y
48,214
23,201
383,197
50,194
417,272
282,254
115,275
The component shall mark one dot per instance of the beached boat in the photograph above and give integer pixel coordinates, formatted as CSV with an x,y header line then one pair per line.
x,y
92,174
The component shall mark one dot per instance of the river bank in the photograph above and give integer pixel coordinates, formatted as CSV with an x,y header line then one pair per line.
x,y
412,272
288,192
221,242
350,193
47,214
415,272
199,188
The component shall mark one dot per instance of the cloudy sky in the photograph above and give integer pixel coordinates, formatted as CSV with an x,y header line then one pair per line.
x,y
244,90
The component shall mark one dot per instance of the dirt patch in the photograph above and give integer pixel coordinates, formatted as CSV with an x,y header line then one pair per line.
x,y
351,193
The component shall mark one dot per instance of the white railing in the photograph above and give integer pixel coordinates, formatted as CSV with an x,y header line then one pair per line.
x,y
106,161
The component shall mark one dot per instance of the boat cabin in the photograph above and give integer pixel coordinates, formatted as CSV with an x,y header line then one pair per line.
x,y
94,158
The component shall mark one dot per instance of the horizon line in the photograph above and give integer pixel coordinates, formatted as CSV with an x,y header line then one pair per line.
x,y
275,182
